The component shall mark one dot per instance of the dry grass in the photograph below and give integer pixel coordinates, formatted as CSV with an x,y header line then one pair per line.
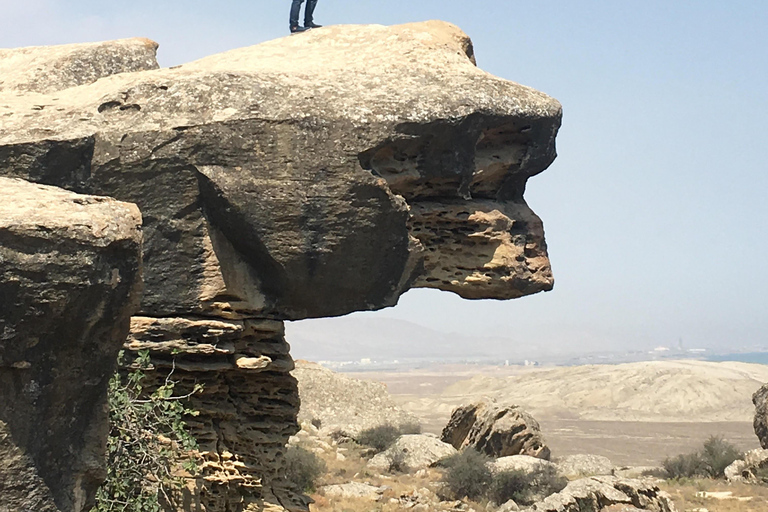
x,y
684,495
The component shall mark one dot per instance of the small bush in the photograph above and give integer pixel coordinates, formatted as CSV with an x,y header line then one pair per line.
x,y
525,488
711,461
410,428
466,474
687,465
509,485
379,438
717,455
397,462
303,468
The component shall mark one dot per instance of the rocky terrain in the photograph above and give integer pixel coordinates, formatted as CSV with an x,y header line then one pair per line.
x,y
276,188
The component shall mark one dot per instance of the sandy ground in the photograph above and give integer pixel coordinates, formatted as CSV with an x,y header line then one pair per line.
x,y
634,414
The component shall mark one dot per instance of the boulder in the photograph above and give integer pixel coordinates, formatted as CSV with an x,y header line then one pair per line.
x,y
495,430
760,423
352,490
524,463
344,405
416,451
509,506
585,465
70,278
747,470
606,494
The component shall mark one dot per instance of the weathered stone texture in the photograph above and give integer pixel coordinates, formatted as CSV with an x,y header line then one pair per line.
x,y
760,399
495,430
288,180
69,281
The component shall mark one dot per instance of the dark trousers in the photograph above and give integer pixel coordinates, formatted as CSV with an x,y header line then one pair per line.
x,y
308,12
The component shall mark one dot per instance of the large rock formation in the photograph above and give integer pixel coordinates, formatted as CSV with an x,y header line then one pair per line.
x,y
69,281
289,180
495,430
607,494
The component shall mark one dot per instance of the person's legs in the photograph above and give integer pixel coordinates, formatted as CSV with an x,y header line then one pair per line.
x,y
309,11
295,8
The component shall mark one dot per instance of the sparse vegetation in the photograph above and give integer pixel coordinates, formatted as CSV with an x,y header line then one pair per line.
x,y
467,474
383,436
397,463
524,487
303,468
711,461
148,448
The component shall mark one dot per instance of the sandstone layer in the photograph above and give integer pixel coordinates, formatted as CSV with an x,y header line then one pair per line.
x,y
70,278
309,176
495,430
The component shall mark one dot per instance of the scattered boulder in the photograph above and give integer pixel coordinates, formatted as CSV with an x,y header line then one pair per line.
x,y
760,423
606,494
746,470
416,452
353,490
341,404
585,465
524,463
70,275
495,430
509,506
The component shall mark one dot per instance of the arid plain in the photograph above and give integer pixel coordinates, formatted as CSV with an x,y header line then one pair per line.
x,y
635,414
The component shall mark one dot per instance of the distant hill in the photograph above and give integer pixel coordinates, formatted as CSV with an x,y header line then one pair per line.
x,y
646,391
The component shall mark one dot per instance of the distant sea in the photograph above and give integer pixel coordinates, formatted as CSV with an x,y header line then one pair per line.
x,y
748,357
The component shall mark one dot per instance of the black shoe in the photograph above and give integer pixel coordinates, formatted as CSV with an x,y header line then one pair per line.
x,y
297,29
309,25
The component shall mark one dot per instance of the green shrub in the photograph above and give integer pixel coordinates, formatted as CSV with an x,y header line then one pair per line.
x,y
525,488
397,463
379,438
509,485
303,468
410,428
466,474
148,443
687,465
711,461
717,454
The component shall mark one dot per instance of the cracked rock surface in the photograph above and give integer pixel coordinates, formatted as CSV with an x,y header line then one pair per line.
x,y
310,176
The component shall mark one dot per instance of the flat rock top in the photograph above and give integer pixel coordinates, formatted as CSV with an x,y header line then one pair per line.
x,y
92,219
362,74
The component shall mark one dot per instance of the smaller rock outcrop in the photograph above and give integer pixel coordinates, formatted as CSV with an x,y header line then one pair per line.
x,y
747,470
585,465
416,452
353,490
760,423
606,494
341,404
524,463
70,274
495,430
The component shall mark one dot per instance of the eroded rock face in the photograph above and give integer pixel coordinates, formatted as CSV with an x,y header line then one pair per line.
x,y
70,277
288,180
416,451
495,430
760,399
748,468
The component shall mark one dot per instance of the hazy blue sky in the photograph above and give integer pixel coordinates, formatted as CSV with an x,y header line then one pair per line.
x,y
656,211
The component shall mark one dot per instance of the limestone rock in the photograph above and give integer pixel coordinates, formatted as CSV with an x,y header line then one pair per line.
x,y
746,470
343,404
352,490
760,399
524,463
48,69
496,430
585,465
261,176
70,275
509,506
606,494
417,451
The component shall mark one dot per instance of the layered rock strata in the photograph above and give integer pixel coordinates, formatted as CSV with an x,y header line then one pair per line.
x,y
495,430
290,180
70,278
